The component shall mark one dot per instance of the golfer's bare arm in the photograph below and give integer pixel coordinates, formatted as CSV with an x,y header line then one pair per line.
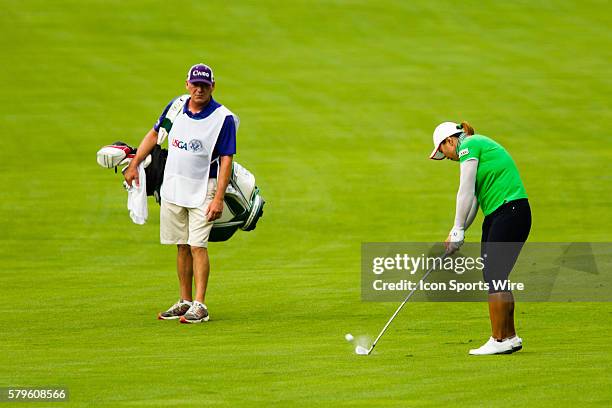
x,y
215,208
145,147
225,171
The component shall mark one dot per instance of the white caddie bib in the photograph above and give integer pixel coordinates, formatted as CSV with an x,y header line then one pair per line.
x,y
190,146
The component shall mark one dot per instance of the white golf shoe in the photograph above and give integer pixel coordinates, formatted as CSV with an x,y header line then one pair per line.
x,y
493,347
517,343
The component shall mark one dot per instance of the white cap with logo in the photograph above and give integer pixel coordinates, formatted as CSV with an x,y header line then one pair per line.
x,y
442,131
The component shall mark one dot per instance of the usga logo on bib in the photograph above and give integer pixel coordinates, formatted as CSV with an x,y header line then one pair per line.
x,y
463,152
194,145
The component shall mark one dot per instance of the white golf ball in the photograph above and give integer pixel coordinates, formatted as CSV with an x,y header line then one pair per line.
x,y
349,337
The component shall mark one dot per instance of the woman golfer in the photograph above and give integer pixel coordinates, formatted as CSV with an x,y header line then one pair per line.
x,y
489,179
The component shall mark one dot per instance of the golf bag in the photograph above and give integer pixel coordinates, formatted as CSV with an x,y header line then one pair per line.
x,y
243,204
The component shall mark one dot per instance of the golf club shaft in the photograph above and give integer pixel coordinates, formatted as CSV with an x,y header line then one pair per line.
x,y
402,305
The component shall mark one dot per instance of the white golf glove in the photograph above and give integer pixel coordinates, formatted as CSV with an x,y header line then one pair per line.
x,y
455,240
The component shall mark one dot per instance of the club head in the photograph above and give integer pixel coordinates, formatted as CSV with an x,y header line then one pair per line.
x,y
362,351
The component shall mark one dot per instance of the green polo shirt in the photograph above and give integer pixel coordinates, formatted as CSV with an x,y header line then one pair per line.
x,y
497,179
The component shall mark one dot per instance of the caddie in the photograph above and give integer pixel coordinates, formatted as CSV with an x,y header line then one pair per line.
x,y
201,137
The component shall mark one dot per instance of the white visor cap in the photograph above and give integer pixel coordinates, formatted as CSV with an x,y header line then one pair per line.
x,y
442,131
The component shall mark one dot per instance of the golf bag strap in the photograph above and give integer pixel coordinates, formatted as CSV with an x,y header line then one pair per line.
x,y
173,112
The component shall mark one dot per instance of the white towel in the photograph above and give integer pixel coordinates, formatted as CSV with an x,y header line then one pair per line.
x,y
137,198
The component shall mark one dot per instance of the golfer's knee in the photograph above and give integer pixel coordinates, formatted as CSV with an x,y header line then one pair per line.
x,y
183,248
198,250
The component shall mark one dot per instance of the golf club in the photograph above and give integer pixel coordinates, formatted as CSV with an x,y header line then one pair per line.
x,y
366,352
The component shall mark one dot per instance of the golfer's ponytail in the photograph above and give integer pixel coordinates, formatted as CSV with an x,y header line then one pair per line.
x,y
466,128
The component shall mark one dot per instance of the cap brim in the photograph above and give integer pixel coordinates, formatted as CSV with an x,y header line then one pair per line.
x,y
200,81
436,154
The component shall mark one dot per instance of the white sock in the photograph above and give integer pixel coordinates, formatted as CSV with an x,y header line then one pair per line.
x,y
186,301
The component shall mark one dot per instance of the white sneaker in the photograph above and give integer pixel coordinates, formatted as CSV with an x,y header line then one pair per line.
x,y
493,347
197,313
517,343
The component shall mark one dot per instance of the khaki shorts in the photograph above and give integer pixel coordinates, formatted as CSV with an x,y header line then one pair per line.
x,y
180,225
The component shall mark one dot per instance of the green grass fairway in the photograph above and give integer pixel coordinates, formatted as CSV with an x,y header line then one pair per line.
x,y
337,101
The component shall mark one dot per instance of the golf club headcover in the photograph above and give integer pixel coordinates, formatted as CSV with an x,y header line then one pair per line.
x,y
115,155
